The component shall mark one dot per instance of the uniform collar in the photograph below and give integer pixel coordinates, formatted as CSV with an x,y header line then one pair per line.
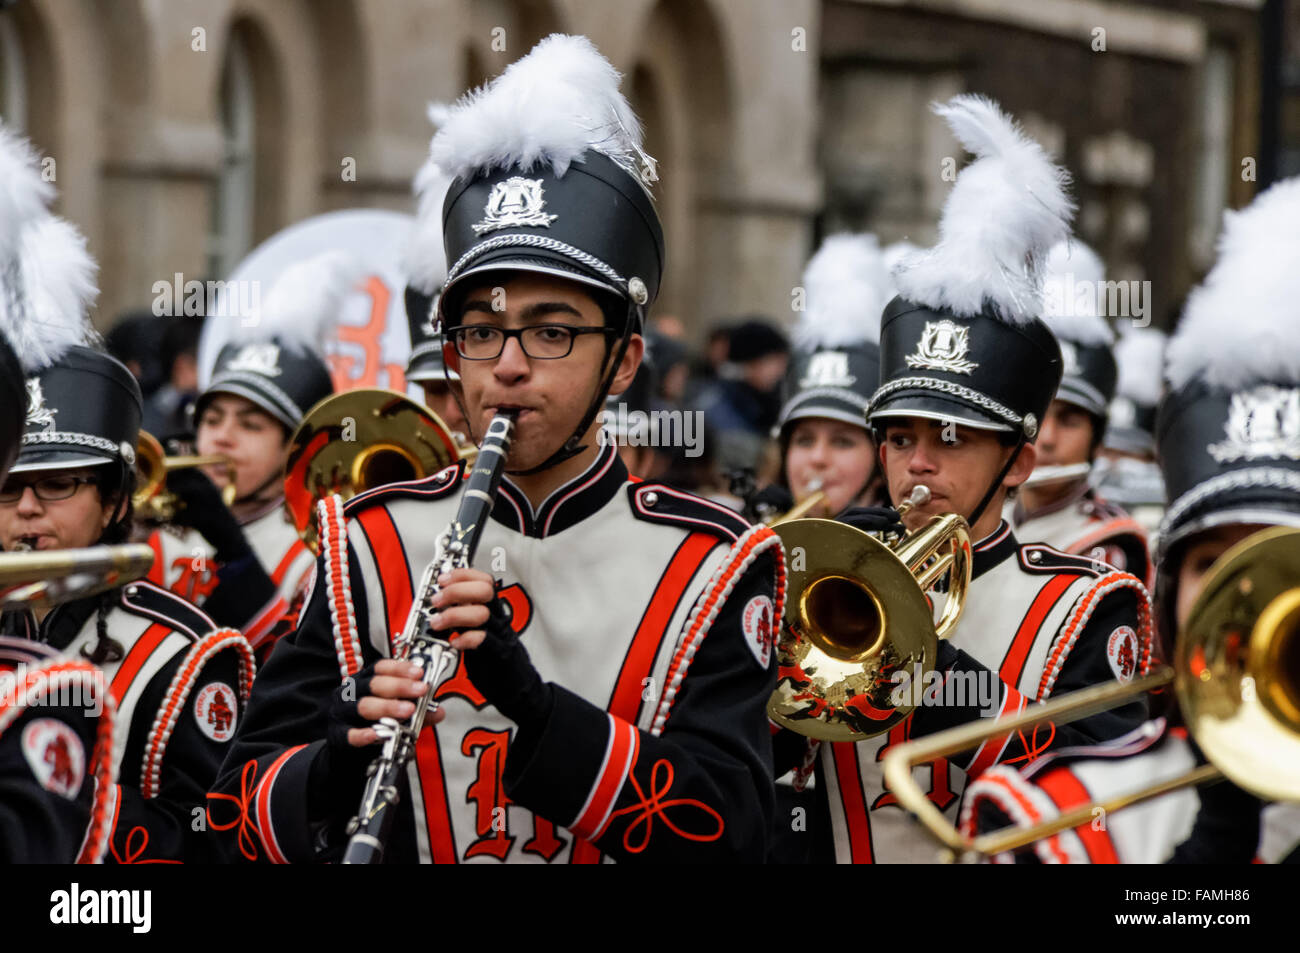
x,y
992,549
60,627
568,505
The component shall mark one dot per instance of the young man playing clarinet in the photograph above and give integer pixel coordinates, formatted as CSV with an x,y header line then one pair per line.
x,y
616,662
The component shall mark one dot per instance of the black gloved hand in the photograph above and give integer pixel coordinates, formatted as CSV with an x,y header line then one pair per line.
x,y
771,501
206,512
338,774
504,674
874,519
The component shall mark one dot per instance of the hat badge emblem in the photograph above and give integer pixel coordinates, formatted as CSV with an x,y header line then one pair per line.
x,y
38,414
943,347
1263,422
828,369
263,359
515,202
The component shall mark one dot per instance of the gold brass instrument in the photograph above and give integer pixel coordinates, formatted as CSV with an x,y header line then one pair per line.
x,y
359,439
152,502
856,614
38,580
1236,673
799,510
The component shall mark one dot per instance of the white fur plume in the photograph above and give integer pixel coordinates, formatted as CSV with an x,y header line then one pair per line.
x,y
43,311
425,261
1005,211
1140,353
847,287
301,309
24,195
1072,290
895,252
547,108
1239,326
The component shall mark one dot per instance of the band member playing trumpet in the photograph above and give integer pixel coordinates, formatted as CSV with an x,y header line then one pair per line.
x,y
178,683
615,664
245,564
1056,504
967,371
826,446
1228,438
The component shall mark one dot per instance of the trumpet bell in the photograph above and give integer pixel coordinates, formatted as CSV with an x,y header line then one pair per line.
x,y
1238,665
359,439
855,622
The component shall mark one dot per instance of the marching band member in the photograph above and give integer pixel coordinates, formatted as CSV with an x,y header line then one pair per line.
x,y
1063,510
967,372
822,433
1229,446
1126,472
610,695
245,564
178,683
56,721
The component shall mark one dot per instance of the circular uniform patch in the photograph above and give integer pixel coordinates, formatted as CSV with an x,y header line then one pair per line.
x,y
1121,652
214,709
756,623
56,756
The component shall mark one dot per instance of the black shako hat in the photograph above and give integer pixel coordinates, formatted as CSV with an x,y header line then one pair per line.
x,y
979,371
1228,430
83,410
13,400
1073,290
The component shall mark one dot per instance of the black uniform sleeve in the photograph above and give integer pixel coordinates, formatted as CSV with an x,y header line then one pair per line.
x,y
701,790
243,592
171,826
38,824
1227,827
280,748
1085,665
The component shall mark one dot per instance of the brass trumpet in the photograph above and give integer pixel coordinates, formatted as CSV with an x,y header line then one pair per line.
x,y
1236,673
360,439
152,502
38,580
856,613
799,510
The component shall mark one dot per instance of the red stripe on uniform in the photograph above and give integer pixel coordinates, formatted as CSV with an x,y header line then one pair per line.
x,y
437,815
623,740
287,560
262,800
394,571
853,804
990,751
157,572
640,658
1013,665
1067,792
135,659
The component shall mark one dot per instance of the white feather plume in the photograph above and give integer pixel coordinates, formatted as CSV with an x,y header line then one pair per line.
x,y
1140,353
847,286
1005,211
24,194
54,285
301,309
895,252
547,108
1239,326
425,261
1072,289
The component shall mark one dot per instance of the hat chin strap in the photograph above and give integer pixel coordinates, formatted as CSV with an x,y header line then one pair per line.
x,y
571,446
997,482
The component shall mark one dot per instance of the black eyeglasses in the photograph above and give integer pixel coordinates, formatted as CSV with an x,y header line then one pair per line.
x,y
50,489
541,342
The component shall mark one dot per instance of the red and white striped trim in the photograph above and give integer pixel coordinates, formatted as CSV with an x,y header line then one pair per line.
x,y
690,498
261,625
1026,805
338,586
621,750
262,806
104,806
743,552
590,481
1079,618
997,536
178,693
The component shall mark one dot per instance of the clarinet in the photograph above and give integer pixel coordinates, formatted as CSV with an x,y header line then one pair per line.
x,y
421,645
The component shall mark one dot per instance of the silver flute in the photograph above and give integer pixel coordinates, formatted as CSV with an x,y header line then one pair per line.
x,y
421,645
